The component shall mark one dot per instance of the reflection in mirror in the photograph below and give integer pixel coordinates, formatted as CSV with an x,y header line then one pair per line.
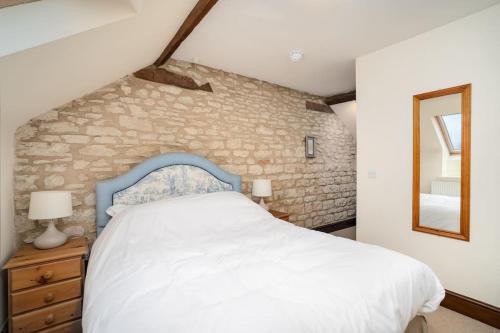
x,y
440,137
441,152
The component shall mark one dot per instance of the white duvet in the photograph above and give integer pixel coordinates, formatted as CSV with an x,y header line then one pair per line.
x,y
220,263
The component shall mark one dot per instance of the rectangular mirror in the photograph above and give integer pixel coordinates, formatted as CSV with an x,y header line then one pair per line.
x,y
441,162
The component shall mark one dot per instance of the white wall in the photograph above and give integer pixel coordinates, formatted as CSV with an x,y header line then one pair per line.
x,y
465,51
7,234
347,113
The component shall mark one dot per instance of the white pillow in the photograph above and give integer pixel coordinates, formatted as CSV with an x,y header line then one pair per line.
x,y
115,209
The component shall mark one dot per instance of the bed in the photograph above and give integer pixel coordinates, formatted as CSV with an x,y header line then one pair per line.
x,y
185,251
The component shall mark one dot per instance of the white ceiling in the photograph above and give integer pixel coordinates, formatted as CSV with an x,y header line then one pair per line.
x,y
254,37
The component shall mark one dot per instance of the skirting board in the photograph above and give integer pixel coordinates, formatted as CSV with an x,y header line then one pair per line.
x,y
472,308
329,228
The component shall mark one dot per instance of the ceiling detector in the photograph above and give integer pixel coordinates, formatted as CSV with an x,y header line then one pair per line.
x,y
296,55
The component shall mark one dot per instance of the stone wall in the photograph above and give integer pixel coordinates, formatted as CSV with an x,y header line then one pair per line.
x,y
249,127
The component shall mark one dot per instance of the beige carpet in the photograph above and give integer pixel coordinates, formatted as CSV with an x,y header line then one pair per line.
x,y
447,321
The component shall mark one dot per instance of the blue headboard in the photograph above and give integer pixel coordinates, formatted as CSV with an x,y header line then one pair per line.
x,y
163,176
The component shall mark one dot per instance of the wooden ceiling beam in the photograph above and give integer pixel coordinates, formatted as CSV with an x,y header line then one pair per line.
x,y
192,20
161,75
341,98
313,106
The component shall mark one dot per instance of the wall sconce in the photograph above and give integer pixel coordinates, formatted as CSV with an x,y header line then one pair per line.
x,y
310,147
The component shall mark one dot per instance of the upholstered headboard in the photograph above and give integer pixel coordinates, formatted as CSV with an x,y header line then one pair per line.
x,y
161,177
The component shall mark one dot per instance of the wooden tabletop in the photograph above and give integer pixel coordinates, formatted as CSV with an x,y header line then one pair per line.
x,y
277,214
28,254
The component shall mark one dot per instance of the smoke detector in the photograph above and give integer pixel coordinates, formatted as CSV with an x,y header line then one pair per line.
x,y
296,55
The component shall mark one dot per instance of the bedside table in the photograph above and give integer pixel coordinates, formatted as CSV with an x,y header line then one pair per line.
x,y
280,215
45,288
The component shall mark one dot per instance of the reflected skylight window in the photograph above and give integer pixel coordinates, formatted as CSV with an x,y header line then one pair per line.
x,y
451,126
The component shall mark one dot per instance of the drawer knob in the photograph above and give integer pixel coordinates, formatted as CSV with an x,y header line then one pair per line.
x,y
49,319
46,276
48,298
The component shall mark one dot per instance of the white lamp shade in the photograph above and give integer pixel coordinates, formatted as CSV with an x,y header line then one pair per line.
x,y
46,205
262,188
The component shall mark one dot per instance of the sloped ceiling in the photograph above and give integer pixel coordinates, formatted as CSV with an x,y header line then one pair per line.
x,y
29,25
7,3
63,49
254,37
38,78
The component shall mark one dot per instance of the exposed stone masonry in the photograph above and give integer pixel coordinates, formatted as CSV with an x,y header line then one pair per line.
x,y
249,127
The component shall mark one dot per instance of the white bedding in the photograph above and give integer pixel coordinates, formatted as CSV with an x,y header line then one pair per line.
x,y
440,212
220,263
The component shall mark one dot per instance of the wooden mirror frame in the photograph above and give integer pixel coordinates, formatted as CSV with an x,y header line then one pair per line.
x,y
465,90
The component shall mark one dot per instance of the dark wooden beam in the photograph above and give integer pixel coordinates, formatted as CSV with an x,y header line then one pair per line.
x,y
312,106
161,75
341,98
472,308
195,16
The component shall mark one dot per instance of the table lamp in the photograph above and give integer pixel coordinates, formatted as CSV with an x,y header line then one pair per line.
x,y
50,205
262,188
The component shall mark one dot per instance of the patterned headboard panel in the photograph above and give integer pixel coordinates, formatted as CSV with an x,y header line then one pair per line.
x,y
168,182
160,177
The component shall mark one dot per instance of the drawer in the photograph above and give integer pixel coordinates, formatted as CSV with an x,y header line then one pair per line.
x,y
47,317
71,327
38,297
46,273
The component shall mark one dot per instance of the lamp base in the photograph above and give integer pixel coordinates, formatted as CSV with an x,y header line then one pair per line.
x,y
263,204
50,238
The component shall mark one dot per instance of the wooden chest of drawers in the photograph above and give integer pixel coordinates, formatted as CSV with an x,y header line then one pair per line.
x,y
46,288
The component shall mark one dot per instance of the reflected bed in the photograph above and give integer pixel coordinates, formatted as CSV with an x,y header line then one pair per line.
x,y
440,212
